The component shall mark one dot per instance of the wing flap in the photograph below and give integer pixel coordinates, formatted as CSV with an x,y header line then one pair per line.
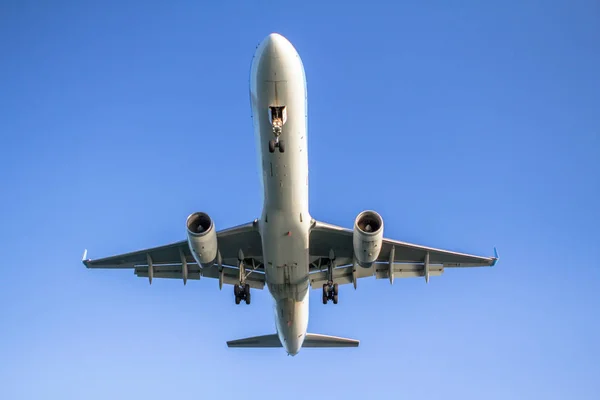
x,y
347,275
256,280
143,273
382,271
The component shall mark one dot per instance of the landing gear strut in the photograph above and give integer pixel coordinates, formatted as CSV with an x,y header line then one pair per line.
x,y
330,289
330,292
242,290
277,116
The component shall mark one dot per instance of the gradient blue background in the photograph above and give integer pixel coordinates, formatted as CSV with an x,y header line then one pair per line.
x,y
467,126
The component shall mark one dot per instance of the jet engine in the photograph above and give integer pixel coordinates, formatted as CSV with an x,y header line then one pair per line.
x,y
367,237
202,238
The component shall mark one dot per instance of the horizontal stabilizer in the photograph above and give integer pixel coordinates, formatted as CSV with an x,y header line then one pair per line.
x,y
256,341
311,340
316,340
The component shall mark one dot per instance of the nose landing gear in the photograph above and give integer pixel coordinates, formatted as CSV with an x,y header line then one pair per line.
x,y
277,117
276,143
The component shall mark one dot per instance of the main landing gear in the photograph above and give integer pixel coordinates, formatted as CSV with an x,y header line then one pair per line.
x,y
242,292
330,289
330,292
277,116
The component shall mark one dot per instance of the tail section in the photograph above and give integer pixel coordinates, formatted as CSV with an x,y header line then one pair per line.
x,y
311,340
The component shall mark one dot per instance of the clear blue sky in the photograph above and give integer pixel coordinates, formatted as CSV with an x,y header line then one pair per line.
x,y
466,126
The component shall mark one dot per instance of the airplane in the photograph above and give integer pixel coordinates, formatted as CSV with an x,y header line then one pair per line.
x,y
286,249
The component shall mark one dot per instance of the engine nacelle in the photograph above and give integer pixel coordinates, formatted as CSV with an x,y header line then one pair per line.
x,y
367,237
202,238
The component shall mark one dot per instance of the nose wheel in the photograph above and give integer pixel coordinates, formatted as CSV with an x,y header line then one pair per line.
x,y
330,292
276,143
277,116
242,292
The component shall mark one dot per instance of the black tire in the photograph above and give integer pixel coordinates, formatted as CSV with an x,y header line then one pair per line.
x,y
247,290
236,291
335,289
237,299
281,146
324,298
248,298
335,299
271,146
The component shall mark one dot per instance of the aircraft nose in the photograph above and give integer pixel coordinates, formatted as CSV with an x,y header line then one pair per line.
x,y
275,60
276,45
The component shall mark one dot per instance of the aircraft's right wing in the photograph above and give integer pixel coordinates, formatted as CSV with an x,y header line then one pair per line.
x,y
396,259
175,260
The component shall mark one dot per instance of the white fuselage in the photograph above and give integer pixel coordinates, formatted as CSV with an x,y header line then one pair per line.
x,y
277,79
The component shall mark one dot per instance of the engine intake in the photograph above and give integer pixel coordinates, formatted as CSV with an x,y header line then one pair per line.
x,y
202,238
367,237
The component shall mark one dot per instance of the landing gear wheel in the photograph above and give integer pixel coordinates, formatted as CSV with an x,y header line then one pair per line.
x,y
238,295
242,293
281,146
271,146
330,292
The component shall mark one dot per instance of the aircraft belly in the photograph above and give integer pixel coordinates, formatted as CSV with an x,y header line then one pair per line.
x,y
285,248
278,83
278,80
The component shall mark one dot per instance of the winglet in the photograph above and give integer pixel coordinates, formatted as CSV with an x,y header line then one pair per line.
x,y
495,257
84,259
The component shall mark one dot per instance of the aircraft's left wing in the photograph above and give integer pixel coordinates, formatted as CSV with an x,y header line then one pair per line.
x,y
175,260
396,259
